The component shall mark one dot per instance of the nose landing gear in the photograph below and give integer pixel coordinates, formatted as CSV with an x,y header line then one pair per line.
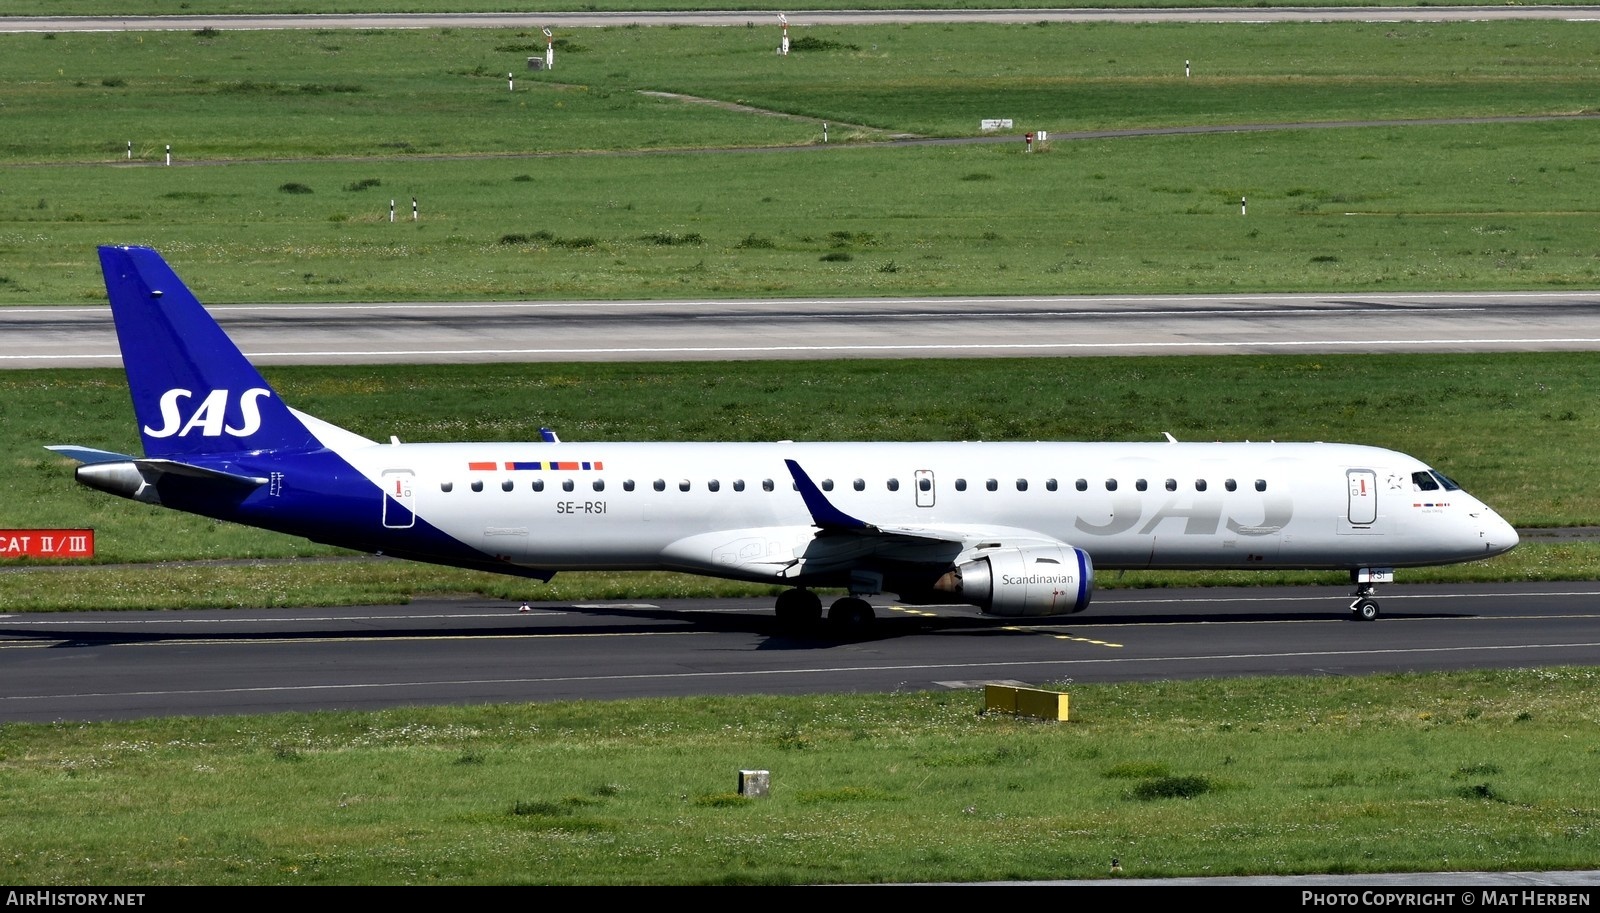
x,y
1364,607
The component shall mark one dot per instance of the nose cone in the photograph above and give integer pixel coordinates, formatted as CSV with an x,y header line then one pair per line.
x,y
1498,536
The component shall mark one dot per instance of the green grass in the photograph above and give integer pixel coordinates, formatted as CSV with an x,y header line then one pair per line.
x,y
1491,207
301,94
1513,428
284,7
1487,770
511,207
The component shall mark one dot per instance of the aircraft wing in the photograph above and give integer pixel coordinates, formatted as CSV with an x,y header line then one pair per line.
x,y
836,543
840,540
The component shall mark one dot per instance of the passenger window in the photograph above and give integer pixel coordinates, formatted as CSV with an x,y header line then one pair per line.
x,y
1111,484
683,485
1199,484
659,484
1022,485
766,485
894,484
859,484
507,485
627,485
1049,484
566,484
992,485
477,486
1081,484
927,484
827,485
538,485
738,484
1172,485
1142,485
713,485
446,487
1261,484
599,484
961,484
1231,485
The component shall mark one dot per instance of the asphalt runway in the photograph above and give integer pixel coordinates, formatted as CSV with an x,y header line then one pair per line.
x,y
691,330
124,665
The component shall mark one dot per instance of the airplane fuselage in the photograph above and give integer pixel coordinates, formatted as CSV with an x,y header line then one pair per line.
x,y
638,506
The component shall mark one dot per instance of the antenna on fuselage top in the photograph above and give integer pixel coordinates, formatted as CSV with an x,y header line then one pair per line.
x,y
548,436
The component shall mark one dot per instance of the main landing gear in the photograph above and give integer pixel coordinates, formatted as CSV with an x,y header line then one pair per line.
x,y
850,614
801,610
798,610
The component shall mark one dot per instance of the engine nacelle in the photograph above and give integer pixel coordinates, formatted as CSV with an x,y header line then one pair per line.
x,y
1024,582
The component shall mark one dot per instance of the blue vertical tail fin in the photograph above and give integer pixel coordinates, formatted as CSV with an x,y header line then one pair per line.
x,y
194,392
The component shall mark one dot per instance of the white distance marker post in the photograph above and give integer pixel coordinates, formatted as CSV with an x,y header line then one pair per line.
x,y
169,153
511,84
784,48
413,209
391,210
549,50
1241,206
130,150
1186,69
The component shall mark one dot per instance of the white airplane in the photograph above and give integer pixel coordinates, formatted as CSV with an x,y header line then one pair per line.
x,y
1015,529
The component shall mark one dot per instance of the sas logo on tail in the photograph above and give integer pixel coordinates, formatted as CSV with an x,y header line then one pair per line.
x,y
210,416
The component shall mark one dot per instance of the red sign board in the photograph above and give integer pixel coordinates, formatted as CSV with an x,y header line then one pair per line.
x,y
46,543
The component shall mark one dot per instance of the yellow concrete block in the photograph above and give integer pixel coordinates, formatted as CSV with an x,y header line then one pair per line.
x,y
1034,702
999,699
1045,705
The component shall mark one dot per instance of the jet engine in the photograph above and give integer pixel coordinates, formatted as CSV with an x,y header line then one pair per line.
x,y
1024,582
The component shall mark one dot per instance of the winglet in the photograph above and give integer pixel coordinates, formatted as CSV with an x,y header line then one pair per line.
x,y
823,513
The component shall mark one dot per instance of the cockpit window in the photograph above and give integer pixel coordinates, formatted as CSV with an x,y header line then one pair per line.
x,y
1447,482
1423,480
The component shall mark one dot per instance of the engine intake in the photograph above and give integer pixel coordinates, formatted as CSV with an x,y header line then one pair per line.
x,y
1024,582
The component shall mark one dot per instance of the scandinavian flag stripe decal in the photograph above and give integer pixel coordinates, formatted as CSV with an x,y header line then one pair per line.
x,y
520,465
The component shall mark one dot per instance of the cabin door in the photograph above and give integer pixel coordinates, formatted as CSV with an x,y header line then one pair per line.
x,y
1362,509
399,498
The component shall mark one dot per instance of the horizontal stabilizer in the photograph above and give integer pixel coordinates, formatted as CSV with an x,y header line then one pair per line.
x,y
88,455
173,467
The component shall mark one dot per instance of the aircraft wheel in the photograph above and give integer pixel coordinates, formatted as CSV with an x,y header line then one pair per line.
x,y
851,614
1365,610
798,609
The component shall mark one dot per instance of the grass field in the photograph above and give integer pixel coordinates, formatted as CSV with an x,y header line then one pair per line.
x,y
523,212
1394,773
283,7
